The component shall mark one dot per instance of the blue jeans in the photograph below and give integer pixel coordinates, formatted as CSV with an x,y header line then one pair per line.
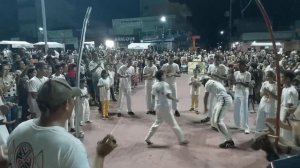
x,y
12,114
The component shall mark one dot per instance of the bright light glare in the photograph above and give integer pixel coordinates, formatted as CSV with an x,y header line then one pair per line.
x,y
109,44
163,19
222,32
41,29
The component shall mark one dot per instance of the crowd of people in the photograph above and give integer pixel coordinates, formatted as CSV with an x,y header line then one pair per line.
x,y
39,86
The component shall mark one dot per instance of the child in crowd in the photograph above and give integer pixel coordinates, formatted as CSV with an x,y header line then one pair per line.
x,y
195,91
84,102
266,107
3,122
104,88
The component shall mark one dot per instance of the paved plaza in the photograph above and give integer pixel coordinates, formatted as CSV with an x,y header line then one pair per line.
x,y
202,152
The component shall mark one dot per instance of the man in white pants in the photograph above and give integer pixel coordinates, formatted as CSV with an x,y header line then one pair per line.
x,y
218,72
162,94
34,85
149,75
224,100
172,71
242,79
289,102
125,72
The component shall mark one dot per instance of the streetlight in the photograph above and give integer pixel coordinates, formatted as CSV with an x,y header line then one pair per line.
x,y
163,19
109,43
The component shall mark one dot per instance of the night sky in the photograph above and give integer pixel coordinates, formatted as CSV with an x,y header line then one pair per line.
x,y
207,20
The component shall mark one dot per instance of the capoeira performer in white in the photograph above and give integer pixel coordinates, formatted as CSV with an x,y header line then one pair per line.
x,y
125,72
162,94
149,74
289,102
266,107
242,79
218,72
224,100
172,71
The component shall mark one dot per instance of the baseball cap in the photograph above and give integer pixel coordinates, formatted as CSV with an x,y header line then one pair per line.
x,y
204,77
55,92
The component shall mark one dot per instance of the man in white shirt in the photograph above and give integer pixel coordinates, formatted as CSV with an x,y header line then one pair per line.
x,y
34,85
96,66
162,94
224,100
218,72
125,73
172,71
149,74
43,142
58,72
242,79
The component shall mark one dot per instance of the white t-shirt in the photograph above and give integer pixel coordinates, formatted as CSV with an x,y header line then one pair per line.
x,y
60,76
220,70
3,129
271,87
195,90
160,91
34,85
216,88
111,77
289,96
84,92
129,71
169,71
150,71
104,90
30,145
93,65
241,77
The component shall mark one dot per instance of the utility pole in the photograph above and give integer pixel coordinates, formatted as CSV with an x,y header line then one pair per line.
x,y
44,26
230,20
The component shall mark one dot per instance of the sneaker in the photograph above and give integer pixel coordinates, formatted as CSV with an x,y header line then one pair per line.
x,y
148,142
185,142
89,121
153,113
177,114
130,113
197,112
191,109
114,100
214,128
247,131
227,144
72,130
119,114
149,112
205,120
103,118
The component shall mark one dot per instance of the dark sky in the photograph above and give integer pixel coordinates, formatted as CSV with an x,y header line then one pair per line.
x,y
207,19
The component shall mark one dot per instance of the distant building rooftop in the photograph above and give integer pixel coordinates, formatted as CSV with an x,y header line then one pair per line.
x,y
265,36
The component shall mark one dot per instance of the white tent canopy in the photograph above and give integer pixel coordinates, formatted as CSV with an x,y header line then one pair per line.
x,y
17,44
51,44
139,46
264,44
